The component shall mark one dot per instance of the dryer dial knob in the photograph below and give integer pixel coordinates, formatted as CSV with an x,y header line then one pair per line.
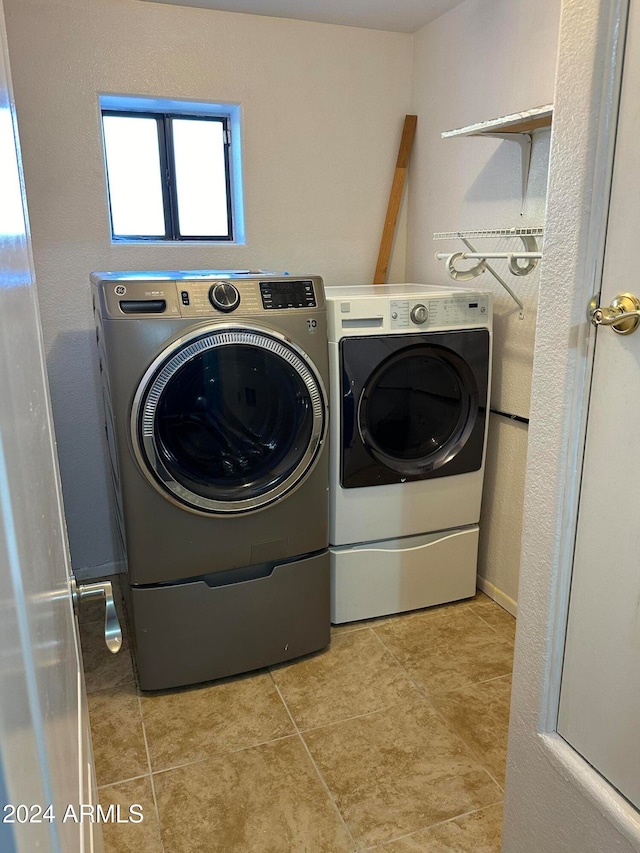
x,y
224,296
419,314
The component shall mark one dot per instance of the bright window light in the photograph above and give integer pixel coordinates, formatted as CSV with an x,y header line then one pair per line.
x,y
201,177
133,169
171,171
11,213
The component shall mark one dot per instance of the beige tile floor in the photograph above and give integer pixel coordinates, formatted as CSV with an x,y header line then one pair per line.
x,y
392,740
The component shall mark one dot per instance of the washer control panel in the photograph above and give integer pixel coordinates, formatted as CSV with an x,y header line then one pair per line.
x,y
206,295
290,293
460,310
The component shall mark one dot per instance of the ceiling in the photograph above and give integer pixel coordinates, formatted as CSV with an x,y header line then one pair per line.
x,y
405,16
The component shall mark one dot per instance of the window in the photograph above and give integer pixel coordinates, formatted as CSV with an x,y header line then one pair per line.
x,y
170,173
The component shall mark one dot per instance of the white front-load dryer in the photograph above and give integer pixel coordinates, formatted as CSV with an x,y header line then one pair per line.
x,y
410,373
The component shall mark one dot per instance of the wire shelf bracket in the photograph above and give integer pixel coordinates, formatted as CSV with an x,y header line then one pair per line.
x,y
518,127
530,255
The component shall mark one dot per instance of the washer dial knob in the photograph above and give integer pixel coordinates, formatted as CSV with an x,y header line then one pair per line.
x,y
224,297
419,314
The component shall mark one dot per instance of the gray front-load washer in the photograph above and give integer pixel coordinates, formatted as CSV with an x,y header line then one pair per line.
x,y
216,418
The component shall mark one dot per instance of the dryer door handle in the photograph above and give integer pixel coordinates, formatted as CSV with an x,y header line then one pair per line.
x,y
363,322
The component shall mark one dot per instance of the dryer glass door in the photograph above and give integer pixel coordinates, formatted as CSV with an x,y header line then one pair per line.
x,y
413,406
231,421
417,410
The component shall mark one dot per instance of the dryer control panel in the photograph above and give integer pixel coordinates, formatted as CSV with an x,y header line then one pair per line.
x,y
440,311
404,309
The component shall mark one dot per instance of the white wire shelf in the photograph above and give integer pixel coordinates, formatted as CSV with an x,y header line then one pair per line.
x,y
534,231
487,256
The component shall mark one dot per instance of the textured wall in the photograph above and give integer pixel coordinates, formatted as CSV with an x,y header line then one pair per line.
x,y
323,108
502,502
484,59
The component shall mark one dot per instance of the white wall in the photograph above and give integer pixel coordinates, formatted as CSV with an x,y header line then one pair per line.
x,y
484,59
323,108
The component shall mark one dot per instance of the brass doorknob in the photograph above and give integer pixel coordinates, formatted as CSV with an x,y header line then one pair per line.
x,y
623,315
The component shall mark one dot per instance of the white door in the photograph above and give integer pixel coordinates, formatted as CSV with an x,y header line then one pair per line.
x,y
573,784
45,758
600,690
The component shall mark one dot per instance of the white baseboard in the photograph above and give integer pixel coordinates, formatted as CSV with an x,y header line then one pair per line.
x,y
497,595
104,570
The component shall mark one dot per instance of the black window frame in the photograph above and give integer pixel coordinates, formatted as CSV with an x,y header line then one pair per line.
x,y
168,177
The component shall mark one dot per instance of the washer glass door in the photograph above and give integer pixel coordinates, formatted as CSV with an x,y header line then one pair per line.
x,y
231,421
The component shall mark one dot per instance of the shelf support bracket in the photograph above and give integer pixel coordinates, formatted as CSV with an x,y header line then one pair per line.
x,y
499,279
524,141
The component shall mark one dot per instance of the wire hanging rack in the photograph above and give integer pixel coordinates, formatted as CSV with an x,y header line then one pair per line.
x,y
530,255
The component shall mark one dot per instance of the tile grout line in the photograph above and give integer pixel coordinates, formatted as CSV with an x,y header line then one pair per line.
x,y
444,720
493,628
396,658
428,698
112,687
471,684
381,621
430,610
219,755
462,740
153,787
432,826
323,782
423,690
484,622
123,781
354,717
379,710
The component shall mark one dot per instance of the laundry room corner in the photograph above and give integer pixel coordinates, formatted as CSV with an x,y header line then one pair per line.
x,y
322,109
478,62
